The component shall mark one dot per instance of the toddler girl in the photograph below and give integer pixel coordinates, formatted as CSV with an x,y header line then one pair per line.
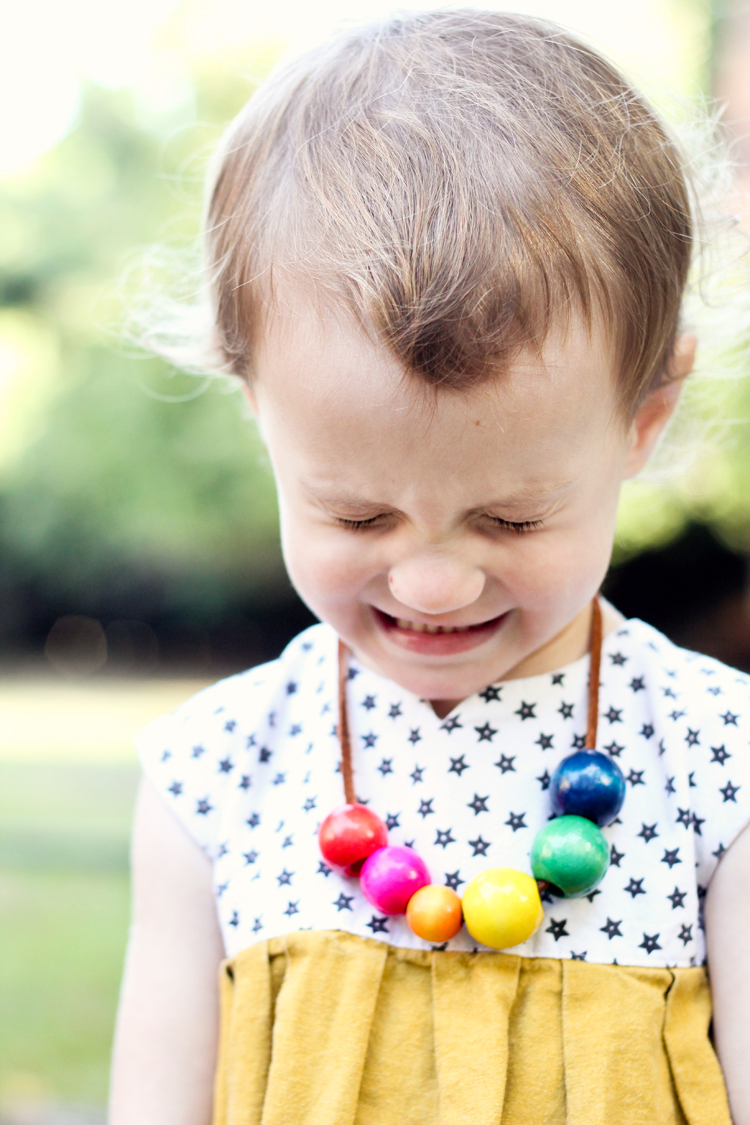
x,y
447,255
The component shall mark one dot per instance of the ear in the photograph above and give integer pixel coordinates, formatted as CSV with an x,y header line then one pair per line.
x,y
656,410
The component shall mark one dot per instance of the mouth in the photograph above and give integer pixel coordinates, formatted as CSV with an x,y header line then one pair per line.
x,y
438,640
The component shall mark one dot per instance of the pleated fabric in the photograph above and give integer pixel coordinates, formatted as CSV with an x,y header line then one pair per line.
x,y
328,1028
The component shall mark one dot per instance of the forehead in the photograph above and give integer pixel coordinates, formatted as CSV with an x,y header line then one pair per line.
x,y
334,399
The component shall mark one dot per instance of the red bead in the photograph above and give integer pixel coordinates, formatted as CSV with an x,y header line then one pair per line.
x,y
349,834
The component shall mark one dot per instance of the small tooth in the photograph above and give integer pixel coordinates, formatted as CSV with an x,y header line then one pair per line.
x,y
432,628
448,629
417,626
403,623
462,628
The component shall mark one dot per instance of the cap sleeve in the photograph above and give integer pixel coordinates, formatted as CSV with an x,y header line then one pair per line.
x,y
199,752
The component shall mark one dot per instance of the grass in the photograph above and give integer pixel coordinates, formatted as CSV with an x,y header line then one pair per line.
x,y
66,797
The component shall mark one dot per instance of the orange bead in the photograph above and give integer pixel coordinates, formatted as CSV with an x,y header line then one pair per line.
x,y
434,913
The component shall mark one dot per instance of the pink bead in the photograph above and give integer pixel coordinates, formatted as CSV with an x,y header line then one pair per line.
x,y
390,877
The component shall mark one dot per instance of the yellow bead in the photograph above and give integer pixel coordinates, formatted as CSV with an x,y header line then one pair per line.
x,y
502,907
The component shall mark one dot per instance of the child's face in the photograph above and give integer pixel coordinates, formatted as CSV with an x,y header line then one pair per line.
x,y
405,514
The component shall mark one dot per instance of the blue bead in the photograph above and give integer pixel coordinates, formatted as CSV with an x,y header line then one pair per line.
x,y
588,784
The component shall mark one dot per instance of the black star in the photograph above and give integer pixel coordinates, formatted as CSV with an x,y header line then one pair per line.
x,y
295,729
323,869
671,857
414,736
395,711
458,765
369,702
614,750
235,919
557,678
669,787
378,925
416,774
578,956
229,725
615,856
490,693
719,851
250,857
292,908
692,737
635,777
291,688
203,807
593,895
257,925
369,740
730,791
279,779
684,817
284,878
353,672
719,754
425,808
197,751
245,781
451,724
677,898
526,711
253,820
613,715
618,658
566,710
729,718
264,754
697,821
544,780
692,783
223,850
344,902
222,887
685,935
714,690
650,943
516,821
444,838
668,693
579,741
226,765
544,741
453,880
309,804
635,887
479,845
486,733
391,821
647,731
505,765
675,715
386,766
612,929
175,788
288,841
648,832
479,804
637,684
557,929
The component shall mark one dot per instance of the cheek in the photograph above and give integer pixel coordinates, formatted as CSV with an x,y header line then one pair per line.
x,y
325,565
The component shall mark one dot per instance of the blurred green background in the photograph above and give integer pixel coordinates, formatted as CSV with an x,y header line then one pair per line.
x,y
139,553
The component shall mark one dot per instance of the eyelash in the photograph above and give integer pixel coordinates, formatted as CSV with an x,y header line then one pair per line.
x,y
507,525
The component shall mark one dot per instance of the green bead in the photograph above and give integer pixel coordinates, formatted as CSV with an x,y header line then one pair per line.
x,y
572,854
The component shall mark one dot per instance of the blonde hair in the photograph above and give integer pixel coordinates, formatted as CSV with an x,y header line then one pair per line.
x,y
457,180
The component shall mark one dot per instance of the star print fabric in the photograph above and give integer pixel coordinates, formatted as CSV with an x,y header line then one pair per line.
x,y
251,768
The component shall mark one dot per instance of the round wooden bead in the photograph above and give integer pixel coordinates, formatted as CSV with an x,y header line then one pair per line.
x,y
588,783
434,913
571,853
502,907
349,834
390,876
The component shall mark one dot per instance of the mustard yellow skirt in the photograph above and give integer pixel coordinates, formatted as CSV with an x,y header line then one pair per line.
x,y
326,1028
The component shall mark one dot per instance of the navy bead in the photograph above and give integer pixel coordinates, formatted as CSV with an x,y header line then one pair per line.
x,y
588,784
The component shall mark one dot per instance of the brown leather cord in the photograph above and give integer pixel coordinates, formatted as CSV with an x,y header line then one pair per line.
x,y
596,660
593,713
346,748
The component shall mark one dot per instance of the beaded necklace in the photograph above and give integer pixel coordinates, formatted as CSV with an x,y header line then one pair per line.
x,y
501,906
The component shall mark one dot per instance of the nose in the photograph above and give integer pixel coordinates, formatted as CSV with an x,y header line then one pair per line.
x,y
435,585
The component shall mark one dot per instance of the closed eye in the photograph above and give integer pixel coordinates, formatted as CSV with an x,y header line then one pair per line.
x,y
359,525
519,528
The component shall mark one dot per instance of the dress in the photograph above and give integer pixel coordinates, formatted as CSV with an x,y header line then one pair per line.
x,y
335,1015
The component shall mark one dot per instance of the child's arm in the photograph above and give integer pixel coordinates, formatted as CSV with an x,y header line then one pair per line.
x,y
728,935
165,1043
